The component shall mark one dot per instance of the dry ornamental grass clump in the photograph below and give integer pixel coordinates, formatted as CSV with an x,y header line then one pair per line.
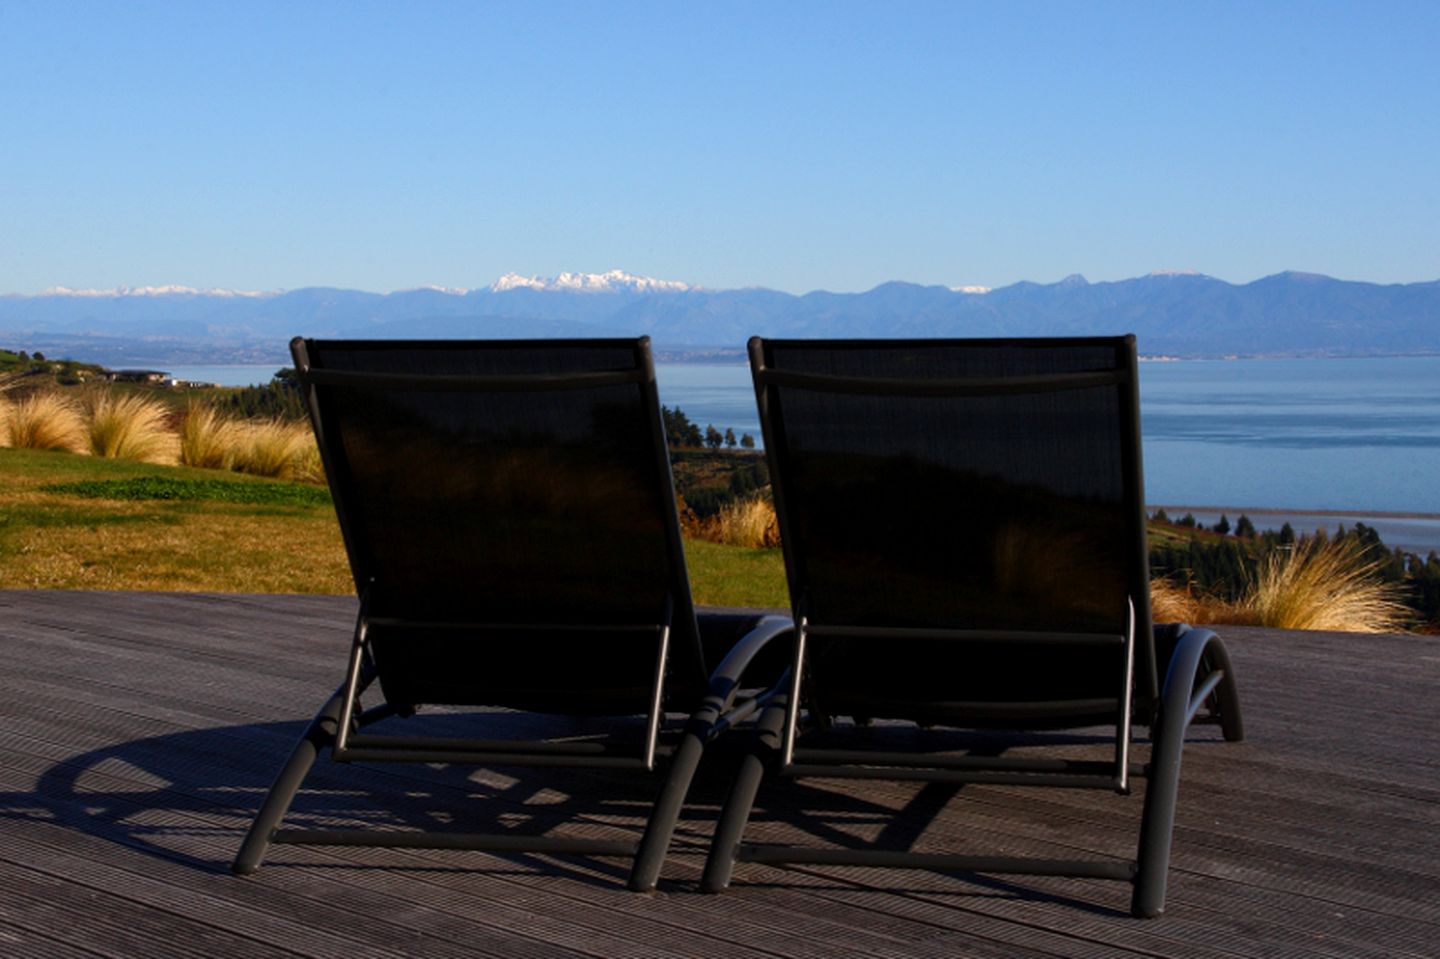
x,y
131,427
1171,603
209,440
1324,584
44,421
272,448
309,468
749,522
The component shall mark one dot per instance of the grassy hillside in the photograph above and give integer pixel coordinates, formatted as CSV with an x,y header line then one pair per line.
x,y
81,522
22,369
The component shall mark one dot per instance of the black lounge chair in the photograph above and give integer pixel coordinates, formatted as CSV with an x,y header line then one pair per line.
x,y
508,512
964,537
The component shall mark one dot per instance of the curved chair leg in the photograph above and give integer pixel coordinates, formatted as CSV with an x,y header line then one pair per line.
x,y
724,684
720,863
1178,704
319,734
645,872
1227,694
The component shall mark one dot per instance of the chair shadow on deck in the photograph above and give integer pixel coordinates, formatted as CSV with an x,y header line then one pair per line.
x,y
186,797
189,796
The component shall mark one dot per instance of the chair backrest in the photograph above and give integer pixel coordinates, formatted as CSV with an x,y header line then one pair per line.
x,y
509,515
963,524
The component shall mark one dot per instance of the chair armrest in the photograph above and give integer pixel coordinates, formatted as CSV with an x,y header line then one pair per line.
x,y
1201,660
725,681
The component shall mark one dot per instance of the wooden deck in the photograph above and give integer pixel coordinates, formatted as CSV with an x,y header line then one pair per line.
x,y
140,731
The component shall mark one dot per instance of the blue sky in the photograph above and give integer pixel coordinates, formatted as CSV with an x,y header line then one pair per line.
x,y
796,146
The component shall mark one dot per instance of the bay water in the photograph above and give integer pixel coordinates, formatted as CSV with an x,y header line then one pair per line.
x,y
1295,437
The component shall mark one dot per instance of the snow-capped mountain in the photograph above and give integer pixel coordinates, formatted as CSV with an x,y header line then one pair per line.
x,y
613,281
1172,312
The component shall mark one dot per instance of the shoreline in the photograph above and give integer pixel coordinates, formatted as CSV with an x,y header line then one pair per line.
x,y
1413,532
1253,511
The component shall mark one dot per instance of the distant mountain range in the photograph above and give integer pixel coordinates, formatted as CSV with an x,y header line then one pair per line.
x,y
1180,314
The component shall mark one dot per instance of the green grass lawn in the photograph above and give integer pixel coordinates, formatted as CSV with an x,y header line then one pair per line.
x,y
735,576
80,522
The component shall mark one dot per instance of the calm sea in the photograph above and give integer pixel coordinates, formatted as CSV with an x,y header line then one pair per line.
x,y
1358,436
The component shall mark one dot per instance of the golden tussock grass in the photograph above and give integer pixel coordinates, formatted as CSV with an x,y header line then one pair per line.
x,y
209,440
44,421
270,448
748,522
1323,584
309,468
1171,602
273,448
132,427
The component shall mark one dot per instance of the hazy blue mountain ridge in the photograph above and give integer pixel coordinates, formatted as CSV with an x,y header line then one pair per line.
x,y
1180,314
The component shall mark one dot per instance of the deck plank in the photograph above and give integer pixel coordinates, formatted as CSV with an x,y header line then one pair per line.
x,y
139,731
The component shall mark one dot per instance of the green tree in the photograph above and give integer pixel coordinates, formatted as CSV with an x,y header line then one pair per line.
x,y
1244,529
713,438
280,397
679,431
747,441
729,437
1223,527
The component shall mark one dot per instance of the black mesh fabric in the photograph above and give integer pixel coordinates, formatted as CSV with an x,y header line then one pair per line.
x,y
992,512
526,516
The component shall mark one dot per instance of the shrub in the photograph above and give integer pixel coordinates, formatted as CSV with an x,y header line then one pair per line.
x,y
132,427
1324,584
44,421
209,440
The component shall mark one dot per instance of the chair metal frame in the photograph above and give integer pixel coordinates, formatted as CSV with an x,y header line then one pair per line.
x,y
1198,675
339,725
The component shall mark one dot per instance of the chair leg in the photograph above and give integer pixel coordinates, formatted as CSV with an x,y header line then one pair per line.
x,y
720,863
1157,823
1197,648
319,734
724,684
645,872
